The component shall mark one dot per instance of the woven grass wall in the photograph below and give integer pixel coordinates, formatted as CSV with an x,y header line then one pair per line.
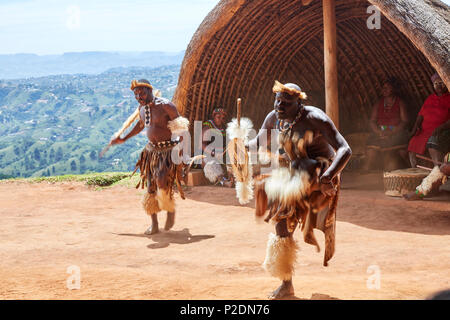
x,y
243,46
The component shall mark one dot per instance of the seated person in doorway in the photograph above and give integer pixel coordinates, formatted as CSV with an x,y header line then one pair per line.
x,y
213,165
387,123
431,131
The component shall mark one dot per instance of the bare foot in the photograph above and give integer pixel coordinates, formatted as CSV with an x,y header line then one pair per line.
x,y
285,290
152,229
170,220
412,196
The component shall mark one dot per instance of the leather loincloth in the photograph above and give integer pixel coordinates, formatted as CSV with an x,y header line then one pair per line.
x,y
157,169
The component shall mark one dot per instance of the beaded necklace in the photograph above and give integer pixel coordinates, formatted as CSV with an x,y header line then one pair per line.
x,y
148,116
285,126
212,125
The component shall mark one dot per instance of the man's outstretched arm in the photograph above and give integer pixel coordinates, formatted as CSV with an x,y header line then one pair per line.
x,y
136,129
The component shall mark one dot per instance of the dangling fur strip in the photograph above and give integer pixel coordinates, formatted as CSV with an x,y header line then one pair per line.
x,y
213,170
165,200
178,125
150,204
427,183
287,188
242,169
280,256
244,189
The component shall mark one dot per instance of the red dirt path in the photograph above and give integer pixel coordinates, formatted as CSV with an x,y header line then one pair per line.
x,y
216,248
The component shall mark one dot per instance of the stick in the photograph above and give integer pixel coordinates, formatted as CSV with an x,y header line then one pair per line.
x,y
239,111
104,150
426,168
425,158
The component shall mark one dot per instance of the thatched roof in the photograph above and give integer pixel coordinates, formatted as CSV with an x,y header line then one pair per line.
x,y
242,46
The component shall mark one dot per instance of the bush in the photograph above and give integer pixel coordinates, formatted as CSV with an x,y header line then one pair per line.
x,y
105,180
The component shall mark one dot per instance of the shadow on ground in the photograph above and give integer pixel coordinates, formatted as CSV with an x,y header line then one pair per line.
x,y
164,239
314,296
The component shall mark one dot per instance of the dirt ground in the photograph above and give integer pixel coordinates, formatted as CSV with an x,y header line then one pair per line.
x,y
216,248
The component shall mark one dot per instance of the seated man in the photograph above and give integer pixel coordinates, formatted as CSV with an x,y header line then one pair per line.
x,y
387,122
213,166
432,127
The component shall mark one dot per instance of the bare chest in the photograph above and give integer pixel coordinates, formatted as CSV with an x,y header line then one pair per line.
x,y
153,116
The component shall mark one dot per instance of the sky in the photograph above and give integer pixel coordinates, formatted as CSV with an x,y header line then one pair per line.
x,y
58,26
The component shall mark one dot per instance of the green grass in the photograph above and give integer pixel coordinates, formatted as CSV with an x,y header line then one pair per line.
x,y
129,182
101,179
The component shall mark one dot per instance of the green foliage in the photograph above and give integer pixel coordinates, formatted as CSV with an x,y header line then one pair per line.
x,y
73,165
58,124
92,179
105,180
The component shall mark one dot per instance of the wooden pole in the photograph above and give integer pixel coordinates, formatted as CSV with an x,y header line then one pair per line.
x,y
239,110
330,61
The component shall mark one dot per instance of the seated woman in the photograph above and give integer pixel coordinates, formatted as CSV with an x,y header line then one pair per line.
x,y
387,123
431,130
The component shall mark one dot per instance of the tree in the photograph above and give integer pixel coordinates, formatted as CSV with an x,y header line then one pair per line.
x,y
37,154
48,172
93,155
73,165
82,159
52,154
43,163
53,169
59,154
27,162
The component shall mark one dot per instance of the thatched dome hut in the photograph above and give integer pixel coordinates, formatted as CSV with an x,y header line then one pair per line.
x,y
242,46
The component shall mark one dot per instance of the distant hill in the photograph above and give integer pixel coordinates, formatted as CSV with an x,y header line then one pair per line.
x,y
57,124
16,66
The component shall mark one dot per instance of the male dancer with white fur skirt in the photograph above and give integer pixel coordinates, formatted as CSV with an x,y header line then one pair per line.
x,y
303,190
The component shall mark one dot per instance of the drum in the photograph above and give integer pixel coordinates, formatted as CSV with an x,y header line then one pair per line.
x,y
400,182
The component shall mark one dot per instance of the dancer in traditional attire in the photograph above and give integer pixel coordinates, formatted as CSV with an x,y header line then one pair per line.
x,y
158,171
303,191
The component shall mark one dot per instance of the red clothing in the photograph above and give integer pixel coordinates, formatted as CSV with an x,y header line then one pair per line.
x,y
435,112
389,117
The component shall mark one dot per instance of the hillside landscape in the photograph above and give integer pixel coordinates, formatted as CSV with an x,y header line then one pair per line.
x,y
57,124
26,65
